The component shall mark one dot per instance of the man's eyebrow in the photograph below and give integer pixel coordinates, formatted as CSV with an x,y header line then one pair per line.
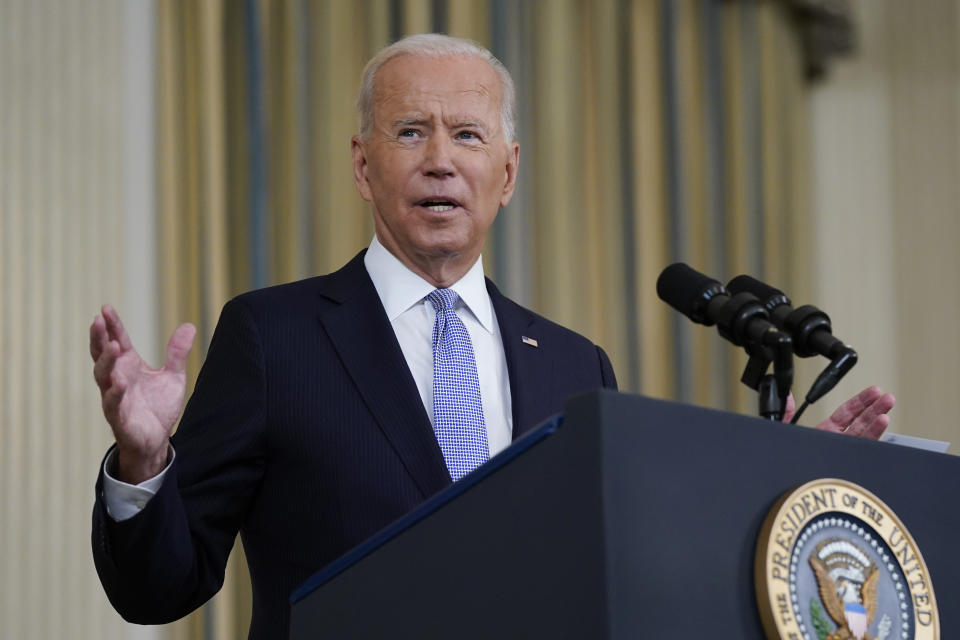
x,y
469,122
453,123
402,122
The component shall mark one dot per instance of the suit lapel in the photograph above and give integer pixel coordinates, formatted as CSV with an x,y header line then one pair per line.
x,y
362,335
529,368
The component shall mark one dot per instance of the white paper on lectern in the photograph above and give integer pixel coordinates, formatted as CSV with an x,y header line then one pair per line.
x,y
926,444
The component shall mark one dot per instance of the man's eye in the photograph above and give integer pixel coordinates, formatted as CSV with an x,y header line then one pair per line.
x,y
409,133
467,135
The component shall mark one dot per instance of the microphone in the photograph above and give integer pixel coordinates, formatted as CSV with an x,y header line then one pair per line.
x,y
808,326
740,318
810,330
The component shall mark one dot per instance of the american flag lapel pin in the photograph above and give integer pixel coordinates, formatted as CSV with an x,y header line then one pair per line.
x,y
530,341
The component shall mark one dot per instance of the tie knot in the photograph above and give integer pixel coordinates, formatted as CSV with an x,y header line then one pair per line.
x,y
443,299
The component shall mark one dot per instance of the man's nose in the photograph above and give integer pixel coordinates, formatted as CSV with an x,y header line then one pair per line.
x,y
438,158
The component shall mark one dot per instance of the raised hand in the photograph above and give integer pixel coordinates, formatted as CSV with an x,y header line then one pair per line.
x,y
140,403
864,415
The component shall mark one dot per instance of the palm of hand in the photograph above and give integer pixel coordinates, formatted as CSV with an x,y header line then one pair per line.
x,y
149,405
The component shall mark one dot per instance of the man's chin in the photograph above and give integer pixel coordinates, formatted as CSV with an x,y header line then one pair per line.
x,y
444,243
443,263
441,252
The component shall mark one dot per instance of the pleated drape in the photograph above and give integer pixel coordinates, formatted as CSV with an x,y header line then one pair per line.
x,y
68,224
651,131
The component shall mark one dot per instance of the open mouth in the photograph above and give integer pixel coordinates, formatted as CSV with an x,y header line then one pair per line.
x,y
439,204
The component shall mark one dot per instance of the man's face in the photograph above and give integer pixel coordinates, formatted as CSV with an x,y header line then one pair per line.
x,y
435,164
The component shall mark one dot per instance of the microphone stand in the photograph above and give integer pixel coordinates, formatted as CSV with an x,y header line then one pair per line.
x,y
776,348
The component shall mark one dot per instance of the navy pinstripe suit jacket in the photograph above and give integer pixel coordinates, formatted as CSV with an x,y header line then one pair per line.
x,y
306,433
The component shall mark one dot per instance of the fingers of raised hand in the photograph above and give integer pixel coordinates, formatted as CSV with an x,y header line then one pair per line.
x,y
872,422
115,327
846,413
98,337
863,415
876,428
103,368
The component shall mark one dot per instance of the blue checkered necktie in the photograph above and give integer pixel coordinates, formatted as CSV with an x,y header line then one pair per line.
x,y
457,410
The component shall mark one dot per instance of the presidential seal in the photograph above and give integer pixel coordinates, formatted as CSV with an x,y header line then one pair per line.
x,y
833,562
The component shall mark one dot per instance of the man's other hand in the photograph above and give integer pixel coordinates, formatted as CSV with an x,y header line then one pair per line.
x,y
140,403
863,415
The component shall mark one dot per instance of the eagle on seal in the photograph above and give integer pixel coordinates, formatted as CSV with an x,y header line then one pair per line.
x,y
847,582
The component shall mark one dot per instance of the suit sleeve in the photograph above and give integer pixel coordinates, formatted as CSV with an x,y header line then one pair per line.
x,y
169,559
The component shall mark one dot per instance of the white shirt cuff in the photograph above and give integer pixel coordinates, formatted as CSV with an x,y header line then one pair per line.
x,y
124,500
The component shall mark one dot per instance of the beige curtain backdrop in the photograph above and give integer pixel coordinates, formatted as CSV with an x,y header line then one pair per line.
x,y
76,216
650,132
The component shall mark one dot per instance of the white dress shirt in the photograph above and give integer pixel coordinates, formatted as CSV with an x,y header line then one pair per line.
x,y
404,297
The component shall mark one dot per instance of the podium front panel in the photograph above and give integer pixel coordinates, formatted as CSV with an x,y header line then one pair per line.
x,y
635,518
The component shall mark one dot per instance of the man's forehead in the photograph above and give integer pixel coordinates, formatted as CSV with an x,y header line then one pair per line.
x,y
414,97
409,80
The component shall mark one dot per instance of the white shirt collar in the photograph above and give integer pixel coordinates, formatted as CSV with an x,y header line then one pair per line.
x,y
400,288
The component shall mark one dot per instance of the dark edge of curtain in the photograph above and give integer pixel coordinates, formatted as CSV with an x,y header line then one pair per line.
x,y
439,16
752,131
683,381
259,272
511,231
716,167
192,70
631,381
499,23
307,162
396,20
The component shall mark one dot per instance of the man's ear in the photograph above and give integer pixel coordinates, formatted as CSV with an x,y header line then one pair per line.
x,y
513,163
359,152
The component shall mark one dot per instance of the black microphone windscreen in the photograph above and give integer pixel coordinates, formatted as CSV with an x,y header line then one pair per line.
x,y
763,291
687,290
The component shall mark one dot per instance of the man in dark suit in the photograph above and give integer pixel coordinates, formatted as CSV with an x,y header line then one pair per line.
x,y
312,422
319,415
